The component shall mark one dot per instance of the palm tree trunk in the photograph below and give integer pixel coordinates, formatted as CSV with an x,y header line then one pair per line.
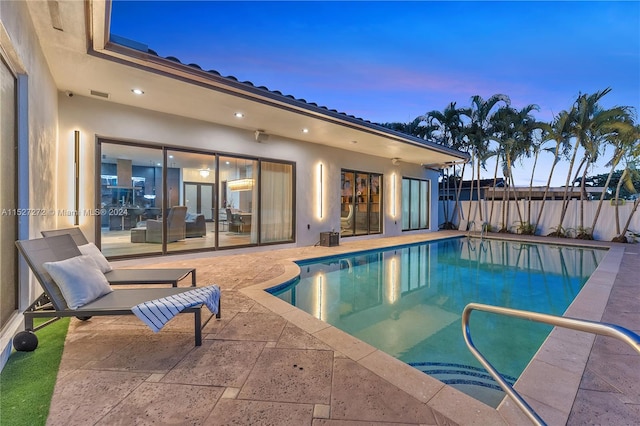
x,y
546,190
622,177
471,187
566,205
626,226
606,185
479,201
533,172
493,190
458,193
565,202
583,193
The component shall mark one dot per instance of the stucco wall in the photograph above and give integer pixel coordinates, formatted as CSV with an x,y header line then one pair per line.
x,y
95,118
38,121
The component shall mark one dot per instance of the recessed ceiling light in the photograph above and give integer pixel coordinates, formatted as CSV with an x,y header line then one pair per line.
x,y
354,142
137,91
238,115
305,130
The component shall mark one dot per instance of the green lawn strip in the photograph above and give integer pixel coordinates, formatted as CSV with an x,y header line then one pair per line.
x,y
28,378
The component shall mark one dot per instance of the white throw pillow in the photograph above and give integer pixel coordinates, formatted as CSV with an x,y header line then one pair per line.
x,y
79,279
94,252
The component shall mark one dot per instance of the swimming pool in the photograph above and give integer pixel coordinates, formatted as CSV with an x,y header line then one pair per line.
x,y
407,301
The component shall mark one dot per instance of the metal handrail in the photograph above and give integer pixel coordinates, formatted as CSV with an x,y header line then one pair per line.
x,y
603,329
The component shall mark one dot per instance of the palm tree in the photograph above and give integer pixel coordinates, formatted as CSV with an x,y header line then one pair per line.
x,y
515,129
590,124
446,128
560,132
479,133
592,127
623,138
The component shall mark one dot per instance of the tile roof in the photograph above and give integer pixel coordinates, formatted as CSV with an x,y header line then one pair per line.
x,y
246,83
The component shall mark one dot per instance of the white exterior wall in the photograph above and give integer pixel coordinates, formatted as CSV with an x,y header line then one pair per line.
x,y
38,132
97,118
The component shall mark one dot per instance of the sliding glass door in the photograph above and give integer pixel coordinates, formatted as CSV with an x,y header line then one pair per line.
x,y
361,202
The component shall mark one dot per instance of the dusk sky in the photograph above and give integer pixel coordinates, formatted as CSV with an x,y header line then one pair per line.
x,y
394,61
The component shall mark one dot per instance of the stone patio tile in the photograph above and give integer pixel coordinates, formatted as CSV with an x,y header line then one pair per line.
x,y
290,375
239,412
234,301
295,338
359,394
329,422
621,371
254,326
602,408
84,396
216,363
153,353
159,403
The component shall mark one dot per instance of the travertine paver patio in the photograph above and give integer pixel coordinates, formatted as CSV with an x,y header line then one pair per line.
x,y
264,362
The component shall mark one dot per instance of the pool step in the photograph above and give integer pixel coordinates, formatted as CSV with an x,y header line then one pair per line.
x,y
460,374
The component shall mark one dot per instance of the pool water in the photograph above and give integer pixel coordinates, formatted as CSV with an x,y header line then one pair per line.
x,y
408,301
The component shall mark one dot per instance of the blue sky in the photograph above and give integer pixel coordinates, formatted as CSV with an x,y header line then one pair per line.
x,y
393,61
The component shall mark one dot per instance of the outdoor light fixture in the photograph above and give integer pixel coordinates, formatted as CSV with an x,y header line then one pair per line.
x,y
137,91
320,190
204,173
240,184
76,137
393,195
238,115
305,130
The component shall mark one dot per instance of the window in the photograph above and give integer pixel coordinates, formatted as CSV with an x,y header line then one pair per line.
x,y
415,204
361,198
8,193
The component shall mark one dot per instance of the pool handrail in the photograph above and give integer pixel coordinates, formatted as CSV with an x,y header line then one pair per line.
x,y
603,329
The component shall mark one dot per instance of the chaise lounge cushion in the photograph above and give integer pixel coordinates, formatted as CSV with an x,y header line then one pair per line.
x,y
94,252
80,280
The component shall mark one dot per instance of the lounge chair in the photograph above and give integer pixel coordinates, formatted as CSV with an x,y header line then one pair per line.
x,y
130,276
52,303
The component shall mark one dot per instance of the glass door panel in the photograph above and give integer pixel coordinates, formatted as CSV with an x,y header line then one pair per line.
x,y
374,204
346,205
130,199
190,179
362,204
238,194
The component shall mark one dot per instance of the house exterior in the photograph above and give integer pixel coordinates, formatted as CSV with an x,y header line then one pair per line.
x,y
254,167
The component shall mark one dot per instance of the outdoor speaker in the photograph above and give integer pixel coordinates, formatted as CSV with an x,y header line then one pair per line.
x,y
261,136
25,341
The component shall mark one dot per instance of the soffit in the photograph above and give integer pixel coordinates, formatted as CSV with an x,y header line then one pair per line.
x,y
80,62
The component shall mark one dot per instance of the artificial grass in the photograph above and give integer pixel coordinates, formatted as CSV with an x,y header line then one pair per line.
x,y
28,378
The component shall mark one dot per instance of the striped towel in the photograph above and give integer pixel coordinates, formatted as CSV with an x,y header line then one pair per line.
x,y
156,313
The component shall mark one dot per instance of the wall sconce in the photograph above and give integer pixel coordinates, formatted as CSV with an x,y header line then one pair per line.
x,y
245,184
204,173
319,191
76,137
393,195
